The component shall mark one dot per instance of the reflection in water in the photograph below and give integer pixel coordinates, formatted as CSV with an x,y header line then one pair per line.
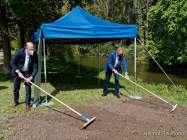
x,y
144,71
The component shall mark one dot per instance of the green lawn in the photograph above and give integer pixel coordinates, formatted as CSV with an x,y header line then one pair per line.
x,y
74,91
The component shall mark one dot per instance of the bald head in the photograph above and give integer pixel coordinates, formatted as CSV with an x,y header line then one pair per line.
x,y
29,45
30,48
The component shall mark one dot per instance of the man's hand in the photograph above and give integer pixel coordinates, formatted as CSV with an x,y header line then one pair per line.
x,y
115,71
28,80
127,77
20,74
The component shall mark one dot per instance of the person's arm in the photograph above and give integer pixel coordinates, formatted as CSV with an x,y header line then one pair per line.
x,y
14,62
124,63
109,62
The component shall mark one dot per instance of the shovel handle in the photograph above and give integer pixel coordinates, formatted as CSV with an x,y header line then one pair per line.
x,y
53,97
145,89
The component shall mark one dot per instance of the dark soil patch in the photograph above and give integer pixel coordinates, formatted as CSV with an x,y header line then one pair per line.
x,y
116,120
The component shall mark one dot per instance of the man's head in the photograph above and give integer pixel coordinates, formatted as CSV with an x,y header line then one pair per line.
x,y
30,48
120,52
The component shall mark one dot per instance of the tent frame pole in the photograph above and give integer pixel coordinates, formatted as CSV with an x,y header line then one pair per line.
x,y
45,67
44,53
135,73
98,54
37,80
157,63
46,103
135,64
79,63
79,69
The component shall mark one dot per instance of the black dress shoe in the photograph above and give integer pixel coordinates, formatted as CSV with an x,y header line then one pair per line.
x,y
27,108
14,104
117,95
104,94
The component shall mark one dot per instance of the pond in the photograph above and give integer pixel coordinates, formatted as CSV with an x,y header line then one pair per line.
x,y
144,71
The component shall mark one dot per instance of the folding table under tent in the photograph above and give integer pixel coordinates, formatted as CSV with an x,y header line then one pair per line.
x,y
79,27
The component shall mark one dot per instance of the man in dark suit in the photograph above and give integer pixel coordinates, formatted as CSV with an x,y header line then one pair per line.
x,y
25,63
113,65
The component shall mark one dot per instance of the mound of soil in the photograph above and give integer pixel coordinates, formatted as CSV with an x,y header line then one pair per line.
x,y
119,119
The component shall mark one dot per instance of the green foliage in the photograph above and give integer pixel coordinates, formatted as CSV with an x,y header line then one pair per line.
x,y
166,28
103,48
168,31
15,44
121,11
82,3
30,14
69,53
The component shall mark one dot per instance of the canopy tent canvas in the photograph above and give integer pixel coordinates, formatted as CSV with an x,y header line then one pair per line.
x,y
79,27
78,24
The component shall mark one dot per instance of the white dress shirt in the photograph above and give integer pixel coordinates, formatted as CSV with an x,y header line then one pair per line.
x,y
26,66
116,61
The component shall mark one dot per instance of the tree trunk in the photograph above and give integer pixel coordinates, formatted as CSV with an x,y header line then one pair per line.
x,y
5,40
21,34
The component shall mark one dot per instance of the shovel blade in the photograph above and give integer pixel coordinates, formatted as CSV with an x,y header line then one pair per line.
x,y
89,122
174,107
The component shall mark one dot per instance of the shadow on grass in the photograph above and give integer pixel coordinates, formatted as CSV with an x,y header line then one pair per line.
x,y
3,87
63,113
63,76
155,104
4,77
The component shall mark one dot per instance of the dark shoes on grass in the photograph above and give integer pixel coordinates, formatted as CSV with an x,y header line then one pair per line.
x,y
27,107
104,94
14,104
117,95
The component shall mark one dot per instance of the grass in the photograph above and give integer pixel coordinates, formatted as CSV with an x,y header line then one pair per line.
x,y
78,91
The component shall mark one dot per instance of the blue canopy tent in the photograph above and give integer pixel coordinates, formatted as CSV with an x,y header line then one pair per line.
x,y
78,24
80,27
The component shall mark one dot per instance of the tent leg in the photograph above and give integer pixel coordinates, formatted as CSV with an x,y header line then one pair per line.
x,y
135,64
46,103
79,64
98,57
37,79
134,96
158,65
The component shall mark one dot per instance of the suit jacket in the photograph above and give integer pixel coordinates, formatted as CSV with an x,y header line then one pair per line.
x,y
19,60
109,66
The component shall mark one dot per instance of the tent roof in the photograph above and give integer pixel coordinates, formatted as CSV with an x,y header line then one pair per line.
x,y
78,24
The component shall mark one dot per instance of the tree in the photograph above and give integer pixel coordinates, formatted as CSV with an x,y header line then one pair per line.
x,y
121,11
30,14
24,16
4,35
168,31
81,3
142,8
